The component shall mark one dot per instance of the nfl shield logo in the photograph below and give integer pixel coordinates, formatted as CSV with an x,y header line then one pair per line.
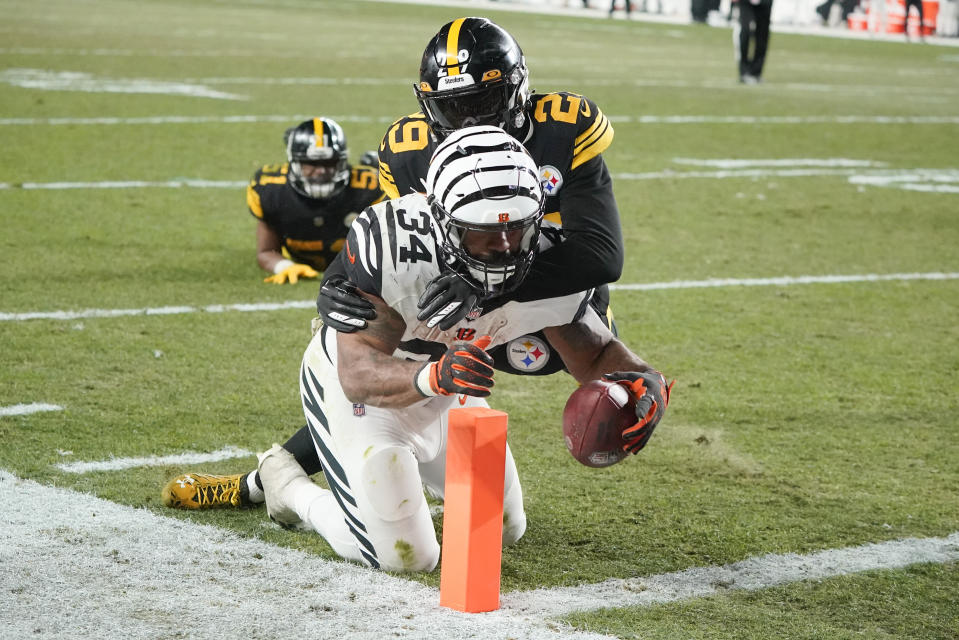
x,y
359,410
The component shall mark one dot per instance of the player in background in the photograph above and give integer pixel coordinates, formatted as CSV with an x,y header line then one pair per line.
x,y
474,72
305,207
377,401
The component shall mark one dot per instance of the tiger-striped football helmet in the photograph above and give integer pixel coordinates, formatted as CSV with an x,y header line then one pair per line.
x,y
484,192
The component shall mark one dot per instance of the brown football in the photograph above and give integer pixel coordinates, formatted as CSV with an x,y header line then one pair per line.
x,y
593,422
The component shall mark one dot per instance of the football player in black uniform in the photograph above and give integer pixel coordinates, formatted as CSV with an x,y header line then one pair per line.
x,y
304,207
474,72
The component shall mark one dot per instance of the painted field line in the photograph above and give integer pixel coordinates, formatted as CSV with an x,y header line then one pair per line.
x,y
616,119
156,311
748,575
76,566
119,464
135,574
742,163
782,281
310,304
127,184
931,180
26,409
857,175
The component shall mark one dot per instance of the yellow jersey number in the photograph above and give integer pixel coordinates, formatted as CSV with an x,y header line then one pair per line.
x,y
561,108
363,179
412,136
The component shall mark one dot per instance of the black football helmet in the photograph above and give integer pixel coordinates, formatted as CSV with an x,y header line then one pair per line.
x,y
473,73
318,156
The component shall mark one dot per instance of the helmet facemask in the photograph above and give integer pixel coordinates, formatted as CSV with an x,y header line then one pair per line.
x,y
319,179
473,73
499,103
484,192
318,158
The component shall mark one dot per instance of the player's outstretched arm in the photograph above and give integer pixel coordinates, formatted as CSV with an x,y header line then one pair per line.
x,y
590,352
589,349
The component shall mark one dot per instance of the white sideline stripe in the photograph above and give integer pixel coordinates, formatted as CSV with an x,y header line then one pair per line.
x,y
44,80
119,464
618,119
913,179
128,184
782,281
748,575
736,163
139,575
310,304
156,311
25,409
79,565
874,175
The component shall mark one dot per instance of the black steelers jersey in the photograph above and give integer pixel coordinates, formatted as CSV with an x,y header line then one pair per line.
x,y
566,134
312,230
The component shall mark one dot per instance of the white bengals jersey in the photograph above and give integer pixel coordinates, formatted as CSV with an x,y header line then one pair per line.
x,y
391,251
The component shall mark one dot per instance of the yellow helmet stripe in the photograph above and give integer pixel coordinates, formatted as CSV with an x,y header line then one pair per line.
x,y
318,131
452,45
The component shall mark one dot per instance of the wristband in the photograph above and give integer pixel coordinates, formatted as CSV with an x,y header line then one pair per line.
x,y
422,381
282,266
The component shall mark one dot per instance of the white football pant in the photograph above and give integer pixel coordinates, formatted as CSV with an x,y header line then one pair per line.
x,y
377,462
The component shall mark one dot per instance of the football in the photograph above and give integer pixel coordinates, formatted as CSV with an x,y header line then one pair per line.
x,y
593,422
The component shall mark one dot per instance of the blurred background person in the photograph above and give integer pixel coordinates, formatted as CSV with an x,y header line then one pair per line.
x,y
304,207
751,38
629,7
918,5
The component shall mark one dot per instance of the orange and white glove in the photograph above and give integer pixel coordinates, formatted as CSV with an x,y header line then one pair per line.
x,y
652,397
285,270
464,369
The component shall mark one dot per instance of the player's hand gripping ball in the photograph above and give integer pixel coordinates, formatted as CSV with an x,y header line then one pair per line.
x,y
594,419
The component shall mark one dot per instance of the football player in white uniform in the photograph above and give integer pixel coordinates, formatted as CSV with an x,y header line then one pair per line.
x,y
376,401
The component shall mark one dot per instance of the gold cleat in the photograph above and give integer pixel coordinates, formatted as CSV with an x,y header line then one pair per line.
x,y
204,491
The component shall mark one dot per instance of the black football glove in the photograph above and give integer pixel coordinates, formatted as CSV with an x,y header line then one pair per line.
x,y
652,397
446,301
464,369
341,307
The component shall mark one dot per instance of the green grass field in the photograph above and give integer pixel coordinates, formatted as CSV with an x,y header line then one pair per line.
x,y
804,417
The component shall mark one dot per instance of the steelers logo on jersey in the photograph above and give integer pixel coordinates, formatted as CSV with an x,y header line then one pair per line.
x,y
527,353
551,179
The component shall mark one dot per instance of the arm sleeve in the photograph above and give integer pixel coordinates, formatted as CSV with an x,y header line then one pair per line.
x,y
592,253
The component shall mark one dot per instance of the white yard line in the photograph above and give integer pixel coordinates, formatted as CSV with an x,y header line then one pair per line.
x,y
860,173
26,409
156,311
78,566
128,184
749,575
181,459
310,304
782,281
616,119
